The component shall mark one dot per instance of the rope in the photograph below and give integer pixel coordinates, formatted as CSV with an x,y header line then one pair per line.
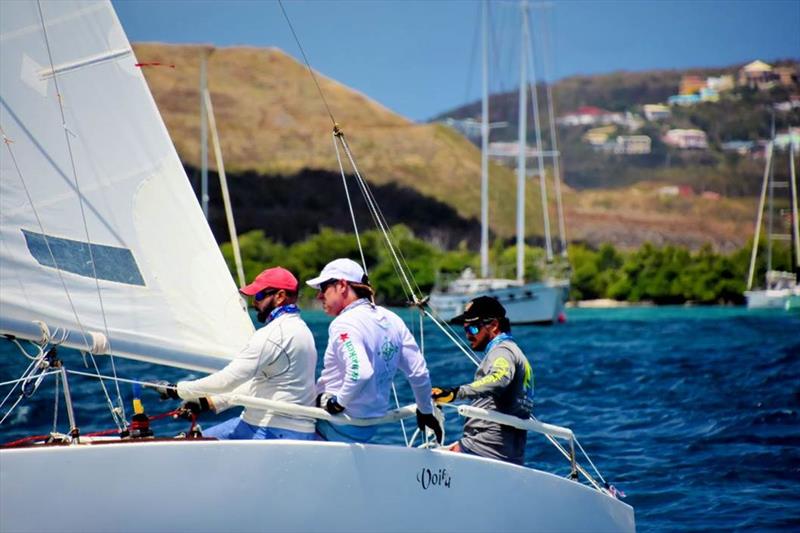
x,y
596,471
402,422
308,64
83,217
25,352
336,133
377,215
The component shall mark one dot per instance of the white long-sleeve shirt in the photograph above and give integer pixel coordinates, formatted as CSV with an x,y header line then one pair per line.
x,y
366,346
278,363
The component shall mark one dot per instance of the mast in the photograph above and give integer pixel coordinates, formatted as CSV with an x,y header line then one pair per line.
x,y
562,232
203,136
539,155
754,251
485,147
223,182
522,138
795,222
770,221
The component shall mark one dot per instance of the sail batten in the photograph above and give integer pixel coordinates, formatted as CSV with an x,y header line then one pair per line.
x,y
167,295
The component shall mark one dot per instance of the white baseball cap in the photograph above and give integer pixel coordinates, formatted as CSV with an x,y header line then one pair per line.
x,y
341,268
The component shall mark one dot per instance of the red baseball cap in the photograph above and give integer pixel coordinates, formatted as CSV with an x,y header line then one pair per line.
x,y
271,278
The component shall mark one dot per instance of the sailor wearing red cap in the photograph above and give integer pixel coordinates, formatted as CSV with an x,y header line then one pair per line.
x,y
278,363
367,344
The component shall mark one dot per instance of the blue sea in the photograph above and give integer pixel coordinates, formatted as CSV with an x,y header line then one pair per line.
x,y
694,413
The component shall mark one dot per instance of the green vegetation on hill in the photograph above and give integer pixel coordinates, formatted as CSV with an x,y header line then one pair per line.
x,y
664,275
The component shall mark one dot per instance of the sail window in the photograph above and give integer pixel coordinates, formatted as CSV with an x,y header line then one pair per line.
x,y
111,263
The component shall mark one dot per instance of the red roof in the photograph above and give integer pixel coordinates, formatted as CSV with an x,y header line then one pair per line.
x,y
590,110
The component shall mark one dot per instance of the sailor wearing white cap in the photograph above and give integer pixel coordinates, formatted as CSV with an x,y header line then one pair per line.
x,y
367,344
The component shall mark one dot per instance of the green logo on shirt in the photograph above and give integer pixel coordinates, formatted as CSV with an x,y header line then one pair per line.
x,y
388,349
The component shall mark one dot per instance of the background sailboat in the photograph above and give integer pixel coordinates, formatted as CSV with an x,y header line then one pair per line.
x,y
540,302
781,290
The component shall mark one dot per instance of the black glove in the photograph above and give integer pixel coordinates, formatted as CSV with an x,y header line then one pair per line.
x,y
429,421
440,395
190,410
165,389
332,406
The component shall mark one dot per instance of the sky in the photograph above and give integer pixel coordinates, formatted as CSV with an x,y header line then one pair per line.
x,y
421,58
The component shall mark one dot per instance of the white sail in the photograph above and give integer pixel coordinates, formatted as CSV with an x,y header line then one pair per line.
x,y
99,228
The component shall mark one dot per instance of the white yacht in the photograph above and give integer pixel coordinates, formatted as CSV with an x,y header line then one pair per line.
x,y
527,302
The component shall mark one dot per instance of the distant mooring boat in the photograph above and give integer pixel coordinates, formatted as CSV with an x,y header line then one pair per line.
x,y
781,290
539,302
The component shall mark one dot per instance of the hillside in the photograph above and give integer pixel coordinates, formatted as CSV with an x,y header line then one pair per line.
x,y
284,177
272,122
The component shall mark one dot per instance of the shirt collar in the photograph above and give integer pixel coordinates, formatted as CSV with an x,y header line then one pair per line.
x,y
282,310
497,340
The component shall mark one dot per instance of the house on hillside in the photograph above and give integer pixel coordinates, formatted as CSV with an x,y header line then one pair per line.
x,y
598,136
787,76
686,139
684,99
738,147
591,116
721,83
791,136
632,145
758,75
709,95
656,112
691,84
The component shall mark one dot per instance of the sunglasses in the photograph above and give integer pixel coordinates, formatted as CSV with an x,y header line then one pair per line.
x,y
473,329
325,284
260,295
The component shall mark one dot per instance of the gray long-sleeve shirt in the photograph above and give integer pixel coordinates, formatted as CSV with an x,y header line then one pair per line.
x,y
503,383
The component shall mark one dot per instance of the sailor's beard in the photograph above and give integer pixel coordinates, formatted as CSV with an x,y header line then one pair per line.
x,y
263,314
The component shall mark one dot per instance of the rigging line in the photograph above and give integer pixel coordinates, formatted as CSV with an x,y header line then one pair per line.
x,y
467,85
308,64
373,206
372,214
534,90
596,471
402,422
350,203
11,410
16,382
452,337
25,352
562,232
402,268
80,204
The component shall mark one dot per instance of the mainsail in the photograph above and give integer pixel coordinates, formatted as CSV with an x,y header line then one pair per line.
x,y
100,232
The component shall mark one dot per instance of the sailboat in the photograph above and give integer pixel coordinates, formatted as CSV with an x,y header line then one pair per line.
x,y
540,302
105,250
781,289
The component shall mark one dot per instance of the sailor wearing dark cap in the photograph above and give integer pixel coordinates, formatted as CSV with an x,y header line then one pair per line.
x,y
503,383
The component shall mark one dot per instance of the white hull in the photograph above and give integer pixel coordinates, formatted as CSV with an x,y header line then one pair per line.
x,y
771,299
287,486
530,303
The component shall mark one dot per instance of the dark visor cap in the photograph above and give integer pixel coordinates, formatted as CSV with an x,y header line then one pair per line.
x,y
480,308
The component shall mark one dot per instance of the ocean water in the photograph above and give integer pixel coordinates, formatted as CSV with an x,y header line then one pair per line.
x,y
694,413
